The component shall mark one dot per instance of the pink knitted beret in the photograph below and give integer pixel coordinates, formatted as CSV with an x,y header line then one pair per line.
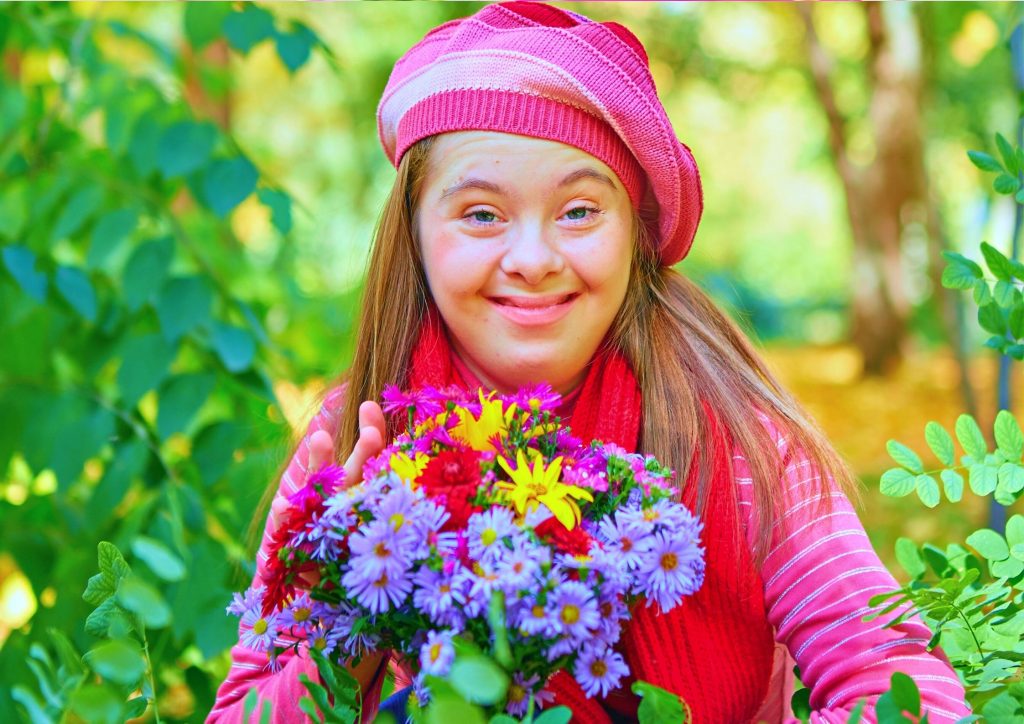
x,y
537,70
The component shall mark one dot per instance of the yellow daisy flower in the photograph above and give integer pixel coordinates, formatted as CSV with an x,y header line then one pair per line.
x,y
477,432
532,487
407,468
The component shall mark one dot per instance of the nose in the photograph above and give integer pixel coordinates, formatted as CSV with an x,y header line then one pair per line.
x,y
531,255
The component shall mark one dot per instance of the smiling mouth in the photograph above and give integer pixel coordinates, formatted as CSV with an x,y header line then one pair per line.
x,y
535,303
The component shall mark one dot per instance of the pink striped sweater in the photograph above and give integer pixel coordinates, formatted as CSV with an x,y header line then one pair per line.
x,y
817,577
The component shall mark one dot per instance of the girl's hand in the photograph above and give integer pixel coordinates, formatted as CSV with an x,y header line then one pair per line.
x,y
321,450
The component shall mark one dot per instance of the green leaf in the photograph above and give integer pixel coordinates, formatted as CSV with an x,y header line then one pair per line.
x,y
143,147
204,23
294,47
74,285
185,147
478,679
159,558
961,272
904,456
991,318
908,556
905,693
180,399
940,442
144,364
1010,481
1008,155
983,478
989,544
247,28
97,704
997,262
1003,708
183,304
213,450
144,601
557,715
111,561
146,270
35,709
953,484
1006,185
1017,321
106,617
1003,293
657,705
234,345
108,235
447,708
227,183
982,292
897,482
1009,568
1015,532
119,661
1008,436
280,205
78,209
927,490
984,161
136,707
21,263
970,437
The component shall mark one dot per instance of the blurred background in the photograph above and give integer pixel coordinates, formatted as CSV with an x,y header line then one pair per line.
x,y
187,193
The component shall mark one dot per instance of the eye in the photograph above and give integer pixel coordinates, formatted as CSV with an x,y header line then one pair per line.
x,y
481,217
581,213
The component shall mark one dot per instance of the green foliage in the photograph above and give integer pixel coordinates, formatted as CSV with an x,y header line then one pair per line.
x,y
971,595
138,348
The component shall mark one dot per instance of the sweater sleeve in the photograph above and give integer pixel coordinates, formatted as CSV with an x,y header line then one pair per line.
x,y
819,573
249,669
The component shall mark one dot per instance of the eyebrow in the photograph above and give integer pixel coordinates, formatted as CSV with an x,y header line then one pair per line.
x,y
481,184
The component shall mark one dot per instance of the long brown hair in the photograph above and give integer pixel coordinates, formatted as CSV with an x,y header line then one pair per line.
x,y
684,351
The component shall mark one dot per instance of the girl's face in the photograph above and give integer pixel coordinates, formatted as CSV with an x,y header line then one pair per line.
x,y
526,245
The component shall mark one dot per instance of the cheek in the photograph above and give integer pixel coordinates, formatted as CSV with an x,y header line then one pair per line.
x,y
454,268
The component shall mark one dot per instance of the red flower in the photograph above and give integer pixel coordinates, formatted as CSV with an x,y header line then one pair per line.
x,y
452,479
575,542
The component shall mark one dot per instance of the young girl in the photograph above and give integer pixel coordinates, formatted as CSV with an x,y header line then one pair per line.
x,y
541,199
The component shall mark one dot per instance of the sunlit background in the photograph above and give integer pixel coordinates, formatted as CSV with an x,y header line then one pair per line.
x,y
832,143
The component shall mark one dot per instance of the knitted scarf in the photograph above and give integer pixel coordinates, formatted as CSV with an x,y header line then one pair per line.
x,y
715,650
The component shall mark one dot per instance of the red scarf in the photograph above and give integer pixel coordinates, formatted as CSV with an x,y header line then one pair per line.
x,y
715,650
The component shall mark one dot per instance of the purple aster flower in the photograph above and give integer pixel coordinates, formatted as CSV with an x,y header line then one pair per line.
x,y
379,592
599,669
623,536
672,568
253,599
518,566
519,693
258,631
377,548
297,614
486,530
437,654
348,631
574,609
396,505
439,593
323,639
534,619
420,696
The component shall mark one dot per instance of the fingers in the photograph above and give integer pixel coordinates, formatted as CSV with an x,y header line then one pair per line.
x,y
370,443
277,509
321,450
371,415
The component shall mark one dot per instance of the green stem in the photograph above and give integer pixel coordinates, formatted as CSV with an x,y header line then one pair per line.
x,y
152,676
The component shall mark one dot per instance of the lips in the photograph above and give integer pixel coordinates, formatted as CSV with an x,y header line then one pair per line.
x,y
539,302
534,311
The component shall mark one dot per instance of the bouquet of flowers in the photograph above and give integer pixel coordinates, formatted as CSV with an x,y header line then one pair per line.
x,y
487,503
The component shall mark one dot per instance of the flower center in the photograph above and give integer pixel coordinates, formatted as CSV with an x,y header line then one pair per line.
x,y
598,669
626,543
669,562
517,567
651,515
381,550
435,653
260,627
445,588
534,403
319,643
382,581
570,614
538,611
488,536
397,521
516,693
302,614
606,609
